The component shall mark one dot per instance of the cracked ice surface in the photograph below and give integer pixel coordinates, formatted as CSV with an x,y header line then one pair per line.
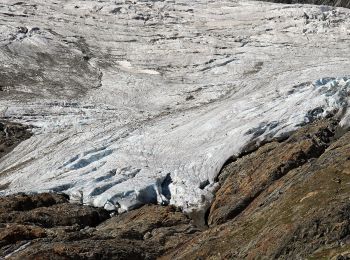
x,y
144,102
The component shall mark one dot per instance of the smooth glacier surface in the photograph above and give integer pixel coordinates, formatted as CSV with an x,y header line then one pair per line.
x,y
140,102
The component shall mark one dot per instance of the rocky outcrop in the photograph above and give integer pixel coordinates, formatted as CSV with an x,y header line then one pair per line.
x,y
11,134
342,3
27,217
287,200
250,176
47,226
22,202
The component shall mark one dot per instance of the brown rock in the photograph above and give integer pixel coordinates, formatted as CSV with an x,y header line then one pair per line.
x,y
11,135
11,233
305,212
65,231
84,249
249,176
65,214
159,228
23,202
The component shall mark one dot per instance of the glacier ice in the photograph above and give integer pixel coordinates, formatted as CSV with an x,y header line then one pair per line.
x,y
170,99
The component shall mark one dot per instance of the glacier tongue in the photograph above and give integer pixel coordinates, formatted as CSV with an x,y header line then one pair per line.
x,y
154,97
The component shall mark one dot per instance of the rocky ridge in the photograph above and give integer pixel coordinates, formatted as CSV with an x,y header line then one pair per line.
x,y
47,226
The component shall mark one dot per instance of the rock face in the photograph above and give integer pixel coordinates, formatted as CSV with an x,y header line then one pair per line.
x,y
11,134
47,226
287,200
250,176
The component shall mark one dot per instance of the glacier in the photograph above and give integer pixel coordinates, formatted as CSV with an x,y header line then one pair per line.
x,y
143,102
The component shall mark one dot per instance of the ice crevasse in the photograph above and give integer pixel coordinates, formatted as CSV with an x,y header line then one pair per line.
x,y
123,129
